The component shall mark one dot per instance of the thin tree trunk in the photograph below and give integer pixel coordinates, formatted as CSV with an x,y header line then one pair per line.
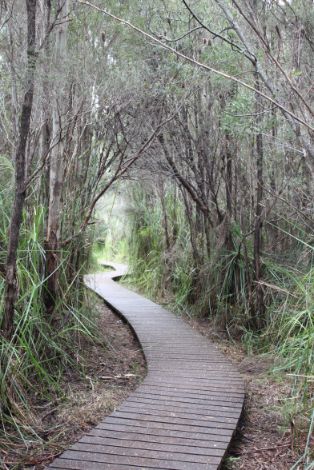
x,y
14,96
46,131
229,192
11,286
259,301
56,166
162,196
189,215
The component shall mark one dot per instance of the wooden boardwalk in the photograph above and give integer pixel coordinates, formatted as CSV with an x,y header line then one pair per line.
x,y
182,416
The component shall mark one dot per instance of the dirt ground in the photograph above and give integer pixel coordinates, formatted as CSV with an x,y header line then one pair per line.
x,y
110,374
267,437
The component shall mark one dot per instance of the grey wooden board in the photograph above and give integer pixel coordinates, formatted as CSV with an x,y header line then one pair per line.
x,y
183,415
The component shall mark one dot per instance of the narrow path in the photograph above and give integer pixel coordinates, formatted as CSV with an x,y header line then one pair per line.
x,y
183,415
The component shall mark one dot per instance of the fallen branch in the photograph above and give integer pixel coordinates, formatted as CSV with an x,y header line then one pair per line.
x,y
124,376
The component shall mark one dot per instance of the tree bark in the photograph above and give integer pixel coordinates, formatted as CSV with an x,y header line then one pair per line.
x,y
162,196
259,301
11,285
56,164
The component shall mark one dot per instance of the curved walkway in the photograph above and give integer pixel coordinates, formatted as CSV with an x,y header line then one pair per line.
x,y
182,416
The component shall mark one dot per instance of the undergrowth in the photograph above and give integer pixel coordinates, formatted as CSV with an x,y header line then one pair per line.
x,y
42,349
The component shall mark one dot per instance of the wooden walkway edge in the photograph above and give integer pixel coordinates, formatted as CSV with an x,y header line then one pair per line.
x,y
182,416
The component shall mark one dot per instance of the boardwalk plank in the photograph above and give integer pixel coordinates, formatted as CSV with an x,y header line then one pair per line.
x,y
90,457
208,444
185,412
173,418
119,451
179,413
169,433
69,464
149,445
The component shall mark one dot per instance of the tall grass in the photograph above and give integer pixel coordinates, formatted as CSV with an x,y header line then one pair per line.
x,y
146,249
33,362
290,336
218,288
291,325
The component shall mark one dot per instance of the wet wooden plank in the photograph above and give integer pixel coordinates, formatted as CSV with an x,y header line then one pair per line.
x,y
183,415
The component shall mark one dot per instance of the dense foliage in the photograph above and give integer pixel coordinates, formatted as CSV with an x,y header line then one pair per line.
x,y
199,115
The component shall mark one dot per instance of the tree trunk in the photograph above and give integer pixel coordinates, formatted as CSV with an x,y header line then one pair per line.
x,y
56,164
162,196
259,300
11,286
229,192
46,128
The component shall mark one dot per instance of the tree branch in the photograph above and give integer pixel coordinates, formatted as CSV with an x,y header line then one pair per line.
x,y
200,64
